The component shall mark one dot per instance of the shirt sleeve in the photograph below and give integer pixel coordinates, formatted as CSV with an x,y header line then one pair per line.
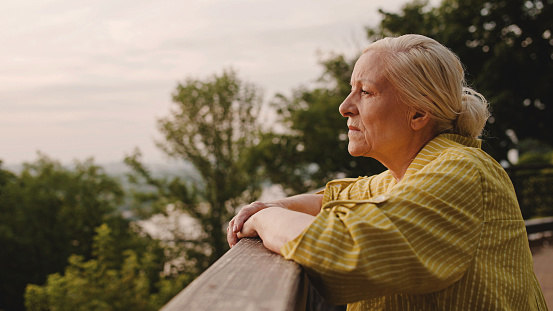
x,y
418,238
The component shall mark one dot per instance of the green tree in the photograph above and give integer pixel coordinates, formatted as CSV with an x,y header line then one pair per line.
x,y
160,196
507,48
48,212
213,125
102,283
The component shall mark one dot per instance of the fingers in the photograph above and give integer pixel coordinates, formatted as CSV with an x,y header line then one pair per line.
x,y
235,229
244,214
248,230
237,223
232,238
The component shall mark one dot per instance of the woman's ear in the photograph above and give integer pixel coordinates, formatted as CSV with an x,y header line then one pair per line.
x,y
419,119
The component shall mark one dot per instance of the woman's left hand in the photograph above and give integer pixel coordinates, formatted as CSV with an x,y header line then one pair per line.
x,y
236,223
275,226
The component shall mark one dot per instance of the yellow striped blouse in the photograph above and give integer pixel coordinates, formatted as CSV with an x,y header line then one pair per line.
x,y
448,236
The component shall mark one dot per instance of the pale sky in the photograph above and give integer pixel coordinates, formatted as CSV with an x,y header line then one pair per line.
x,y
83,79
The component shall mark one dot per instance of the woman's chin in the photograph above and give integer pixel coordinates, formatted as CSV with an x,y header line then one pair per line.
x,y
357,152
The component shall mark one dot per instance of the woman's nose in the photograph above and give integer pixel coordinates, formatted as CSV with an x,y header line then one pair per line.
x,y
347,107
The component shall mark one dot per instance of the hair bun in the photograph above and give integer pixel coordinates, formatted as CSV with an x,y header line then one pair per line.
x,y
473,115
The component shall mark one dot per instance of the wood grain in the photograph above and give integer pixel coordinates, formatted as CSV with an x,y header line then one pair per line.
x,y
248,277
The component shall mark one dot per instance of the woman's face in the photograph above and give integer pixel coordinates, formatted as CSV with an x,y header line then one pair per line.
x,y
378,123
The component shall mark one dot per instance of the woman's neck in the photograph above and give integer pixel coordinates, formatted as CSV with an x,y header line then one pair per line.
x,y
399,162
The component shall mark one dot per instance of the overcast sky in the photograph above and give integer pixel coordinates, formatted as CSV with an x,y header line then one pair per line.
x,y
83,79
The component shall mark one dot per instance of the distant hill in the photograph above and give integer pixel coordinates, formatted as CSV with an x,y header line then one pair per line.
x,y
159,170
120,169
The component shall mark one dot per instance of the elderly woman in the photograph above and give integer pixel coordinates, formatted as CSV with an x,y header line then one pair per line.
x,y
441,229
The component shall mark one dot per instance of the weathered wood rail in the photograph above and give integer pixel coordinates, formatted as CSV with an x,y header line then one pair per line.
x,y
247,277
250,277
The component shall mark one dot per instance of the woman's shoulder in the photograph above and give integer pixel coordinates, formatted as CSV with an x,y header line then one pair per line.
x,y
452,146
457,155
453,153
469,153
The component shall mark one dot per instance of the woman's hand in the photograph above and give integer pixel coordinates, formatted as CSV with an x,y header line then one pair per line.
x,y
275,226
237,222
304,203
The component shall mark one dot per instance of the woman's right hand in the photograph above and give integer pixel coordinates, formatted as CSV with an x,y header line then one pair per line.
x,y
237,222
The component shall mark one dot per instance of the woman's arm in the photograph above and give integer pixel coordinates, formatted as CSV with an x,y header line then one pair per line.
x,y
275,226
304,203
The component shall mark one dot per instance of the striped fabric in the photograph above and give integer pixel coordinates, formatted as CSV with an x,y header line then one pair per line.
x,y
448,236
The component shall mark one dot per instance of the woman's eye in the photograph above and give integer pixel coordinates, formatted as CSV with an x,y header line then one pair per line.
x,y
365,92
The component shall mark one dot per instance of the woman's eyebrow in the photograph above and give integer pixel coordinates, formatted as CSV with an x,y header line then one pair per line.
x,y
367,83
363,81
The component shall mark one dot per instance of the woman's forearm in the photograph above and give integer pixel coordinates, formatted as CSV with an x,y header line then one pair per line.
x,y
304,203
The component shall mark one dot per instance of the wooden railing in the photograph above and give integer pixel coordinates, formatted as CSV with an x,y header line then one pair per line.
x,y
539,225
250,277
247,277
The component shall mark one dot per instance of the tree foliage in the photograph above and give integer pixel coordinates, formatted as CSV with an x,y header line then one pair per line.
x,y
188,245
102,283
56,220
47,213
213,125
